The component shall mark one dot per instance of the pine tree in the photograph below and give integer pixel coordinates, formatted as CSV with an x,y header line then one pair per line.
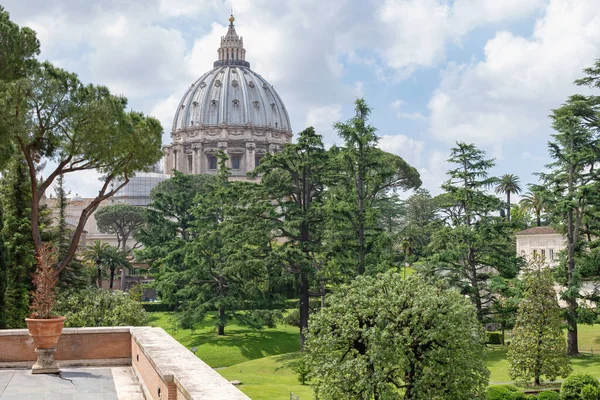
x,y
74,275
366,179
538,345
474,244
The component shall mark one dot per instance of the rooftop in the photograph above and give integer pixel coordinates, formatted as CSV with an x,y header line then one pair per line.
x,y
538,230
105,383
110,363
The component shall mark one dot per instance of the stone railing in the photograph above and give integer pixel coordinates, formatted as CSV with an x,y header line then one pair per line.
x,y
165,369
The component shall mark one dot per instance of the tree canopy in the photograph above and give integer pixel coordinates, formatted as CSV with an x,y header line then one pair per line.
x,y
50,116
538,346
121,220
385,337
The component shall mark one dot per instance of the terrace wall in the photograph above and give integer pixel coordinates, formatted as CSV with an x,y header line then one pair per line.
x,y
165,369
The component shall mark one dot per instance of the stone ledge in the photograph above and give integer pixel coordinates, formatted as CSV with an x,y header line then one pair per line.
x,y
71,331
112,362
174,363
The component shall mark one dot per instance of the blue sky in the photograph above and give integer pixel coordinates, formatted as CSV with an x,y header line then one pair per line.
x,y
434,71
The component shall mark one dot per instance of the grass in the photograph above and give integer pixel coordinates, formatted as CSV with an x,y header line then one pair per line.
x,y
240,344
263,359
269,378
498,364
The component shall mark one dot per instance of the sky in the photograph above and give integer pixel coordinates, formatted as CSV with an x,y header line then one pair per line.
x,y
487,72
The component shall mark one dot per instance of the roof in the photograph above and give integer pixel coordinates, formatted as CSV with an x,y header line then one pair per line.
x,y
231,95
538,230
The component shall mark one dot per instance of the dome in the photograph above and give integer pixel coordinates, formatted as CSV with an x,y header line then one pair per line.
x,y
232,95
231,109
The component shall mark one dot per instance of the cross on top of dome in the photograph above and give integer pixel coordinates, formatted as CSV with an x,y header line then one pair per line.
x,y
232,50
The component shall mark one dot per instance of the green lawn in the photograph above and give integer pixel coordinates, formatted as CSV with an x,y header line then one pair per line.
x,y
269,378
263,359
240,344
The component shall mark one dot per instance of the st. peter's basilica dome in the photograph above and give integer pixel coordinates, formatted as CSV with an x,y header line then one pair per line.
x,y
232,108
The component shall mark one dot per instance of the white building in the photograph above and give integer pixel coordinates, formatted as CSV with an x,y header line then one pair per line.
x,y
540,241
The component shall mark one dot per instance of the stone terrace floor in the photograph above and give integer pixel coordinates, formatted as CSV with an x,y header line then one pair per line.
x,y
103,383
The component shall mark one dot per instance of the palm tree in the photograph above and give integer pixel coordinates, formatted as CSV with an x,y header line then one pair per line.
x,y
105,256
94,255
115,258
508,184
534,201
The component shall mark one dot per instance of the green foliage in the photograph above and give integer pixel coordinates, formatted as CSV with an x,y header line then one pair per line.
x,y
395,333
362,199
538,347
97,307
290,204
18,48
493,337
292,318
418,222
157,307
548,395
473,240
534,201
166,232
572,187
302,369
590,392
572,387
508,184
15,196
121,220
503,392
55,120
75,275
107,257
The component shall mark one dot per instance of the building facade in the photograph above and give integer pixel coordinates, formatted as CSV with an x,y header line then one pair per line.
x,y
540,242
229,108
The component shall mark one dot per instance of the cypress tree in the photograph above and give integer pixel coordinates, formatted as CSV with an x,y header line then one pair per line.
x,y
15,193
539,347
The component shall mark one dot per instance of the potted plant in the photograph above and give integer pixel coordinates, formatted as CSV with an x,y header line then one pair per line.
x,y
44,328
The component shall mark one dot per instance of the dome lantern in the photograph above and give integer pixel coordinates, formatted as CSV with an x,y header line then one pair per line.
x,y
232,50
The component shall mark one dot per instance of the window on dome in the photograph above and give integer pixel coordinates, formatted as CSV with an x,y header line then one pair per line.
x,y
212,162
236,161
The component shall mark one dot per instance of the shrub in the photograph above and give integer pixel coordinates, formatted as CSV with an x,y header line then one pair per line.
x,y
590,392
572,387
504,392
493,338
292,318
549,395
97,307
158,307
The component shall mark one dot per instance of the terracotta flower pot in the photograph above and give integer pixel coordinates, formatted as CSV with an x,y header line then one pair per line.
x,y
45,332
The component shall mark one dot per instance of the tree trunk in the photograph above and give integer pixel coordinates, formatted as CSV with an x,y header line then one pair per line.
x,y
304,310
99,278
221,323
112,278
508,206
538,218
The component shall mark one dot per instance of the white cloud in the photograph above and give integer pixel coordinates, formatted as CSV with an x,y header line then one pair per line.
x,y
510,93
415,116
416,32
322,119
406,147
